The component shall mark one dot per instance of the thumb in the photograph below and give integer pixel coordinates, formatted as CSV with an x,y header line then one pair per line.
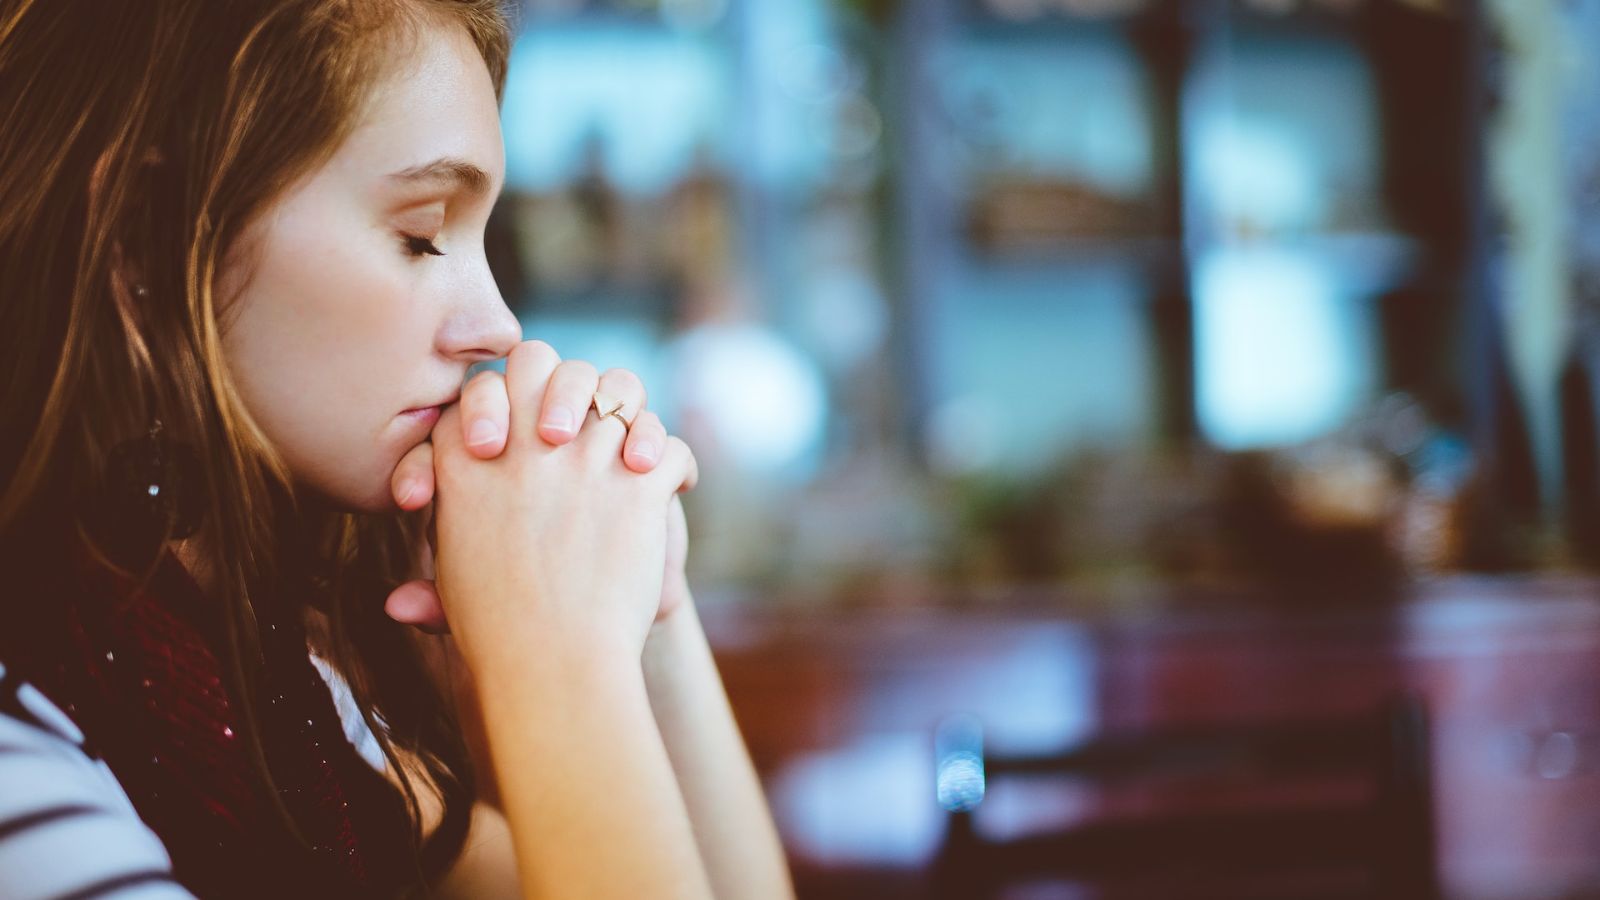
x,y
416,603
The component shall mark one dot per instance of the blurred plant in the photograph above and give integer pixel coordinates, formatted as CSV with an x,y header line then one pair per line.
x,y
1342,521
1010,530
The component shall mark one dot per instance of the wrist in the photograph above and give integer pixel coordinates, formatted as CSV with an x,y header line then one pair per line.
x,y
678,603
673,641
547,649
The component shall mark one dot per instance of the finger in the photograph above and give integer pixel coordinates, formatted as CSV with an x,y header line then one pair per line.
x,y
528,369
568,396
412,481
617,386
678,470
416,603
645,440
432,532
422,543
447,434
673,590
486,414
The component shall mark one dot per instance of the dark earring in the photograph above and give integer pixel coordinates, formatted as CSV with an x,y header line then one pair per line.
x,y
150,491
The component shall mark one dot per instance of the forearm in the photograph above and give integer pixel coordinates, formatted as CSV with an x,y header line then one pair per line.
x,y
732,824
585,780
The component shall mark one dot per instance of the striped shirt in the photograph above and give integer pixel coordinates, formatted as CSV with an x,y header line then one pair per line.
x,y
67,829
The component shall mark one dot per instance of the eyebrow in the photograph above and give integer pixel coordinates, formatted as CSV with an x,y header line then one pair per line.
x,y
456,173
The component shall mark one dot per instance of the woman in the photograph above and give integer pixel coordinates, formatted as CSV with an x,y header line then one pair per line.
x,y
243,279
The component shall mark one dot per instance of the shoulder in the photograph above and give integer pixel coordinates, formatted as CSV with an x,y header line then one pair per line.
x,y
66,826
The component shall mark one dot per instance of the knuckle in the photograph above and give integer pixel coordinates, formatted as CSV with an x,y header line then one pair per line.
x,y
531,356
580,370
421,457
531,351
482,388
481,378
625,378
444,429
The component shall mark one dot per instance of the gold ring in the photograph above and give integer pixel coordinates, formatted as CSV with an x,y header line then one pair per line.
x,y
607,405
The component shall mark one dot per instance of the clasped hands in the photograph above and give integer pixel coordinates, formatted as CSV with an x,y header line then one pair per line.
x,y
495,413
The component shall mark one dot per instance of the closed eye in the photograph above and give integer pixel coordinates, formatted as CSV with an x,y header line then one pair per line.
x,y
420,246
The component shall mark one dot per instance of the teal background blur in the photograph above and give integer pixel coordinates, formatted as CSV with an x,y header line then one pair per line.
x,y
1091,369
956,295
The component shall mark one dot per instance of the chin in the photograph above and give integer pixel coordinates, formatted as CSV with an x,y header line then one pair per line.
x,y
378,500
367,493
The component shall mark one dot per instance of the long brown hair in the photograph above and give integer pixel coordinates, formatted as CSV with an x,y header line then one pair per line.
x,y
144,138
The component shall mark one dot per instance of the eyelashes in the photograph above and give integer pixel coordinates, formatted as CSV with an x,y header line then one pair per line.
x,y
419,246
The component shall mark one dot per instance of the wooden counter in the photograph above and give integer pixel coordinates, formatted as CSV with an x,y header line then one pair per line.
x,y
839,709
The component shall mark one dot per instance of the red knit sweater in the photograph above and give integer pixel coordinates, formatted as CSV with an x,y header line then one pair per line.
x,y
138,673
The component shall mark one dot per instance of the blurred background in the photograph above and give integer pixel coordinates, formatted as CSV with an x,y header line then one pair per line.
x,y
1149,446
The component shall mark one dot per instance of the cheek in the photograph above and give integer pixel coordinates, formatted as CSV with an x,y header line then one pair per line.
x,y
318,351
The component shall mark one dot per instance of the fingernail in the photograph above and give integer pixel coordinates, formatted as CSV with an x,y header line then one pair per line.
x,y
408,489
483,432
646,451
558,419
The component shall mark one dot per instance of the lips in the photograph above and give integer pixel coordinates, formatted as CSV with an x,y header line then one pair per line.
x,y
442,403
420,422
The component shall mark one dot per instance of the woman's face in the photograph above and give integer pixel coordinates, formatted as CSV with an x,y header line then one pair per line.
x,y
343,319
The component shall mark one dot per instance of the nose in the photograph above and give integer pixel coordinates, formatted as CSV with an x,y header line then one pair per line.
x,y
483,327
